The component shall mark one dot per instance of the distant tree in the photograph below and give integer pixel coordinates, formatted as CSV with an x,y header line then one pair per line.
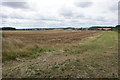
x,y
73,28
8,28
69,27
117,28
93,28
102,29
83,28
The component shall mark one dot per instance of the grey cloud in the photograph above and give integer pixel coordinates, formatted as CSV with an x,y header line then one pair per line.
x,y
119,5
67,13
114,7
3,21
22,5
49,19
44,18
16,17
4,16
100,19
119,12
83,4
12,16
79,16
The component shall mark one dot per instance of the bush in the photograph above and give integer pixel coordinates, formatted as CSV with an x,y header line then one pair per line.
x,y
117,28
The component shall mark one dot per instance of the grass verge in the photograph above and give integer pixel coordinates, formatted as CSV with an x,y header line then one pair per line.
x,y
97,43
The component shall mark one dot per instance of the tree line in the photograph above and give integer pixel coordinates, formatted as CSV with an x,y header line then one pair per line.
x,y
91,28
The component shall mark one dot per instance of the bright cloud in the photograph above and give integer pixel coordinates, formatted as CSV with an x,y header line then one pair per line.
x,y
59,13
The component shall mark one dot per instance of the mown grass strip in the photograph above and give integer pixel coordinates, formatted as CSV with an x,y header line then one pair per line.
x,y
98,43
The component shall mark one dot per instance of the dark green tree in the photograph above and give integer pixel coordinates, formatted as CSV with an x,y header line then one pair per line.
x,y
117,28
8,28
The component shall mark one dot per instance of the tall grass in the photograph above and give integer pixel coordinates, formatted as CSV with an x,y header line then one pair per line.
x,y
14,48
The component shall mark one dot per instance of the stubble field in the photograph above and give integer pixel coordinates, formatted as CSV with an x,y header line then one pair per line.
x,y
59,53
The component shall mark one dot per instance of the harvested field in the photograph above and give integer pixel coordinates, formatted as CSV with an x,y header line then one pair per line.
x,y
60,54
49,37
25,43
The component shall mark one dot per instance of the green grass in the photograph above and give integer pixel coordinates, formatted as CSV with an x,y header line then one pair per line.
x,y
3,35
100,43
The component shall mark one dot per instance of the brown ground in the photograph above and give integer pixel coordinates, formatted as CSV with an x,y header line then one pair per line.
x,y
49,37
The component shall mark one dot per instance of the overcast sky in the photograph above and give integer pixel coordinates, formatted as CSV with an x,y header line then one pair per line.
x,y
59,13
